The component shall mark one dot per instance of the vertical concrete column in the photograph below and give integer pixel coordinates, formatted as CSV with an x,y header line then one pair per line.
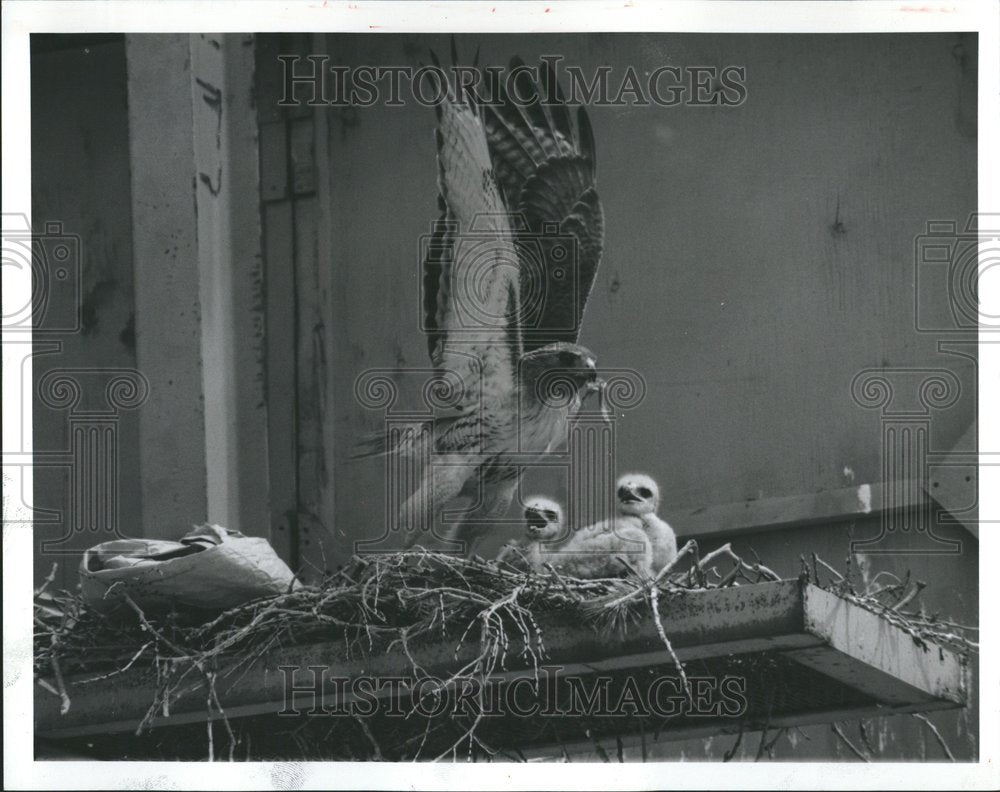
x,y
199,312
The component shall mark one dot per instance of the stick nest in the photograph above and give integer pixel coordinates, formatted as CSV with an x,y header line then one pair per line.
x,y
388,602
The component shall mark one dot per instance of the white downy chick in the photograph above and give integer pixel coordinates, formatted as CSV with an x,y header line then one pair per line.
x,y
599,550
639,496
543,522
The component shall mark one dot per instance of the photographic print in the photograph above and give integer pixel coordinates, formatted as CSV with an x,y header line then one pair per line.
x,y
576,396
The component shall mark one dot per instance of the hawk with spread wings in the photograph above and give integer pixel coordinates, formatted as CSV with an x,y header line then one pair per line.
x,y
507,273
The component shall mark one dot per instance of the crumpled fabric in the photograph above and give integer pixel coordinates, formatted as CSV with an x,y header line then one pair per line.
x,y
210,568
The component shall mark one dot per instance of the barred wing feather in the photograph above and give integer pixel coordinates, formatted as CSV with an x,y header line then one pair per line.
x,y
547,169
471,267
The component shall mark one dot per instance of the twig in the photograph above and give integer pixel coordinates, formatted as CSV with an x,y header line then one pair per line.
x,y
117,671
728,755
731,576
936,733
762,746
211,738
817,559
562,583
761,570
376,749
57,672
726,550
598,748
48,580
863,731
156,633
624,562
769,746
690,547
935,620
918,586
848,743
654,596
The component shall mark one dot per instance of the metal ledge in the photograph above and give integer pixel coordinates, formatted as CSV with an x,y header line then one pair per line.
x,y
827,659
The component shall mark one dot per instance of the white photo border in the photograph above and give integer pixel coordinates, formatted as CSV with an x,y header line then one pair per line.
x,y
23,17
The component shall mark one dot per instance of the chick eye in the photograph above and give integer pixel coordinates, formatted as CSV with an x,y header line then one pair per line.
x,y
550,515
622,492
644,492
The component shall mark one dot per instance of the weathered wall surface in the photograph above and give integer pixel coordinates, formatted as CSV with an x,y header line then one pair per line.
x,y
146,150
757,257
80,178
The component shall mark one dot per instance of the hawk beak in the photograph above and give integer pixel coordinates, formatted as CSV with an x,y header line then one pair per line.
x,y
599,386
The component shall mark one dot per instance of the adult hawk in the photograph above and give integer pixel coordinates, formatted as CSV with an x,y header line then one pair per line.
x,y
507,273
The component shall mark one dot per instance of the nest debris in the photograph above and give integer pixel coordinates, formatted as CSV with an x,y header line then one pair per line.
x,y
399,600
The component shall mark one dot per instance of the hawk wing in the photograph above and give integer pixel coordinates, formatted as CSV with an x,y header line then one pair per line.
x,y
471,282
547,169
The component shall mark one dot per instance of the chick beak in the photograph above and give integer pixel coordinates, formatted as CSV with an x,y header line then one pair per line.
x,y
535,522
626,495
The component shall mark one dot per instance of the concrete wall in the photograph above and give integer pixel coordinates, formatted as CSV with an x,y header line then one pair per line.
x,y
757,257
145,147
193,149
80,178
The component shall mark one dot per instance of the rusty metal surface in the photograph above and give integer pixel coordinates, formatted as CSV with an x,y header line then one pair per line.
x,y
866,651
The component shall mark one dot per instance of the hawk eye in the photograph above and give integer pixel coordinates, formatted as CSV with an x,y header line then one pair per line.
x,y
550,515
644,492
622,492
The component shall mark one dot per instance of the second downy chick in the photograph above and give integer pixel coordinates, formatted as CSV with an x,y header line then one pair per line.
x,y
639,496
